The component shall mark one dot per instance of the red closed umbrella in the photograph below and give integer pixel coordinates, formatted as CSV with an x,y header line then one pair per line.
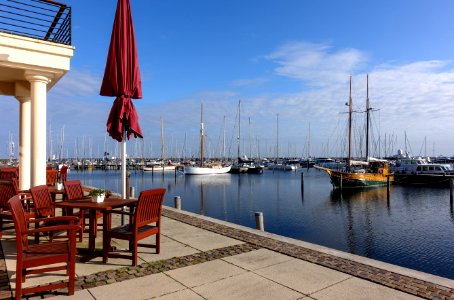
x,y
122,80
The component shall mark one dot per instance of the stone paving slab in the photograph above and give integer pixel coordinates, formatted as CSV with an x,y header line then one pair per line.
x,y
358,289
246,286
302,276
258,259
205,273
140,288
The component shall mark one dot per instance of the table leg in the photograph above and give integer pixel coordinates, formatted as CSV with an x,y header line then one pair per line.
x,y
91,237
106,225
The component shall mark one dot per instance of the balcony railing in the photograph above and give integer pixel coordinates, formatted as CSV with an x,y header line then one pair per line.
x,y
40,19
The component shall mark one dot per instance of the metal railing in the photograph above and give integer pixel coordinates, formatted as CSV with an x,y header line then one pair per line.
x,y
41,19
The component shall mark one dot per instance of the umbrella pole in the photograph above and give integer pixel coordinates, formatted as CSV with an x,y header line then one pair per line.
x,y
123,171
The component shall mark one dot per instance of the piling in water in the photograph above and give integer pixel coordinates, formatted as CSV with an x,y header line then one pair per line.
x,y
451,193
259,221
177,201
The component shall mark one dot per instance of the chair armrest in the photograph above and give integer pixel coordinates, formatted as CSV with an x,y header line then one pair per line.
x,y
120,212
53,228
70,219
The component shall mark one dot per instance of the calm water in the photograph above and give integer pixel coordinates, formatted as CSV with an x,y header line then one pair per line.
x,y
414,229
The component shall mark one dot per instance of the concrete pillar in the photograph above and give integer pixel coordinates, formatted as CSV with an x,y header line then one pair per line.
x,y
24,142
38,92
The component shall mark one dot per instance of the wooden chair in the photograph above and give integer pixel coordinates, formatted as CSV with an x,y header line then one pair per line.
x,y
51,177
74,192
6,192
8,189
63,173
145,221
42,206
9,173
36,258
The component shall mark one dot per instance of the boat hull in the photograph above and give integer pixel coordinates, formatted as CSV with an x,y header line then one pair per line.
x,y
159,169
355,180
193,170
423,179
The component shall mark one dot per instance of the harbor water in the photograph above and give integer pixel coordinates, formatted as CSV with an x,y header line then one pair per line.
x,y
414,228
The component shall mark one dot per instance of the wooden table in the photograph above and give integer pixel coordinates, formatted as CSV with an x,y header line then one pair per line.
x,y
104,207
54,192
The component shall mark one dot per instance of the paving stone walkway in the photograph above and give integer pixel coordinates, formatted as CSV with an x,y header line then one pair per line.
x,y
252,242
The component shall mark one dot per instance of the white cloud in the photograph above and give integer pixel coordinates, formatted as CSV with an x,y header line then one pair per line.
x,y
316,64
77,83
254,82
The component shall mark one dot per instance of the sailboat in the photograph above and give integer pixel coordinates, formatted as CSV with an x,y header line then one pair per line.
x,y
244,164
203,168
369,173
160,167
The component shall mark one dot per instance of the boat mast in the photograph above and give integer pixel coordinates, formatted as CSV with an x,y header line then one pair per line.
x,y
309,142
239,127
250,146
162,140
201,135
223,142
367,118
277,137
350,126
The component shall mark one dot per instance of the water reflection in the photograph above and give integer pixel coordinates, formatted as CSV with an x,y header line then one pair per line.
x,y
359,228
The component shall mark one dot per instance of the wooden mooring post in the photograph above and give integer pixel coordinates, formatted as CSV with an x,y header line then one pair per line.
x,y
259,221
451,192
177,202
388,184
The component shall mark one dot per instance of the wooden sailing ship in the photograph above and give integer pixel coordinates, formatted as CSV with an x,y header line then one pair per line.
x,y
369,173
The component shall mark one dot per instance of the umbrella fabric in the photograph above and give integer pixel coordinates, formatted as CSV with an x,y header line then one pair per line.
x,y
122,76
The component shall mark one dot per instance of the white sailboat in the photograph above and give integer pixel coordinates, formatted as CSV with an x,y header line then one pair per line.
x,y
160,167
205,169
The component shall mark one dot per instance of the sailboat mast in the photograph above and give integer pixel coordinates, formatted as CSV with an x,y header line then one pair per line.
x,y
201,135
367,118
239,127
223,142
162,140
277,136
350,126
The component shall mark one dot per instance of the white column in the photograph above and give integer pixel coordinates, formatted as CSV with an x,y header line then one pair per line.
x,y
38,91
24,142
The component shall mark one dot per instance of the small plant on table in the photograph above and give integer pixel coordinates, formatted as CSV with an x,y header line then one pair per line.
x,y
97,195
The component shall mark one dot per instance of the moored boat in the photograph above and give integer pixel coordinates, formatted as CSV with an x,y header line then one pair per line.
x,y
369,173
373,173
204,169
420,171
159,168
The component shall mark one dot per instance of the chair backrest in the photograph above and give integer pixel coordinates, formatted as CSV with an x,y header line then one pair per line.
x,y
42,201
64,173
51,177
7,191
149,207
20,223
9,173
73,189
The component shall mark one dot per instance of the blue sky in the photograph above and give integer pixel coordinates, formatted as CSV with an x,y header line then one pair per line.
x,y
291,58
